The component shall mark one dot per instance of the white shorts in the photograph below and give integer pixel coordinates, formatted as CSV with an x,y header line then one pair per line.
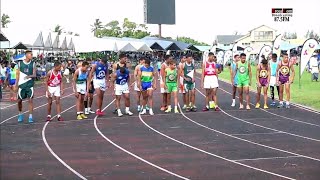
x,y
121,89
54,91
136,86
81,88
210,82
273,81
99,84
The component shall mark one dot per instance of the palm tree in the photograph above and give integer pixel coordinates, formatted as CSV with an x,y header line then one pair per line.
x,y
5,20
96,25
58,29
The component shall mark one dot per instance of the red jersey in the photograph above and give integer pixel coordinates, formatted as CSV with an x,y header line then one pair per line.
x,y
210,69
55,79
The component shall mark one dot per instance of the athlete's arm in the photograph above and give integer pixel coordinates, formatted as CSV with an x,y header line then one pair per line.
x,y
231,74
135,73
234,72
154,83
47,80
293,74
250,73
74,82
269,74
164,79
139,79
62,86
202,74
17,78
34,73
277,72
93,69
257,75
162,71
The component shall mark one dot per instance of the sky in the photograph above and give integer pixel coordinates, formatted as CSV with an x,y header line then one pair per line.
x,y
200,19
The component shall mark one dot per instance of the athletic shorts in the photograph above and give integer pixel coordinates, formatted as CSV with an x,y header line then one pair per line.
x,y
172,87
24,93
284,80
136,86
159,70
210,82
263,82
146,86
54,91
91,90
121,89
99,84
189,86
12,82
243,83
273,81
81,88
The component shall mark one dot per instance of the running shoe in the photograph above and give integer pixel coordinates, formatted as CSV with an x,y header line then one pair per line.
x,y
241,106
248,107
91,112
79,117
217,108
147,108
163,108
257,105
233,104
176,110
144,111
280,105
151,112
86,111
20,118
119,113
205,109
83,116
60,118
188,109
99,113
184,107
115,111
273,104
287,106
30,120
139,108
48,118
265,106
168,110
194,109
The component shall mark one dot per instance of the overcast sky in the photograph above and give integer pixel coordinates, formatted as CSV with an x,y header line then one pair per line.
x,y
200,19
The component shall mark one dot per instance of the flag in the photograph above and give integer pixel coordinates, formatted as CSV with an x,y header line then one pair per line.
x,y
205,57
191,73
265,50
235,49
248,50
220,57
276,45
19,57
308,48
227,56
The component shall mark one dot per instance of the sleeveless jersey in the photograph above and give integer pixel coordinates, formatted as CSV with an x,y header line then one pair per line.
x,y
210,69
273,67
101,71
27,69
13,73
55,79
122,78
171,76
186,70
243,71
146,74
82,77
284,70
263,73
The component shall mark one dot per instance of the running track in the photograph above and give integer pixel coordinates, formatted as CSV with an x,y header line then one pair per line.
x,y
232,144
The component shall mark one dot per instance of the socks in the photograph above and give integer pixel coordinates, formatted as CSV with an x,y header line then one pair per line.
x,y
281,102
78,113
59,115
175,107
30,115
49,116
127,108
287,103
169,106
20,112
233,100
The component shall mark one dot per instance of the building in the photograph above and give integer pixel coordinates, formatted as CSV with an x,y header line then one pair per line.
x,y
256,38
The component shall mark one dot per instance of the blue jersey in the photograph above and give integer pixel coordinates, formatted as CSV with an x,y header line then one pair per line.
x,y
273,67
101,71
82,77
233,67
122,78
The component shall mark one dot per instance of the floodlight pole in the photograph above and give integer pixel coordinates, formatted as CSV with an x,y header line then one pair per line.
x,y
160,31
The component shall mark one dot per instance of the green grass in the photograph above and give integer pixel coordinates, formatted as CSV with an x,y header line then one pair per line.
x,y
308,95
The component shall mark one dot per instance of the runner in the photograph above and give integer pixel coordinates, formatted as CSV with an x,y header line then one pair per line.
x,y
243,71
273,78
234,80
80,88
121,78
136,88
171,80
26,73
187,74
147,84
54,88
88,100
163,91
181,82
99,76
159,68
12,76
209,82
285,79
263,78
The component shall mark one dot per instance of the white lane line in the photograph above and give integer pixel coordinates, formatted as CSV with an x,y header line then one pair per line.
x,y
245,140
211,154
250,134
27,100
53,153
33,109
294,104
269,158
130,153
264,127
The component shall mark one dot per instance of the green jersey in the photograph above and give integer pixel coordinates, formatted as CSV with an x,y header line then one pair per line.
x,y
27,69
243,71
187,69
171,75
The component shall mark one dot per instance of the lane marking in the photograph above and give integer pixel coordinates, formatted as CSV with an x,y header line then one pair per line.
x,y
211,154
250,134
130,153
269,158
245,140
53,153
